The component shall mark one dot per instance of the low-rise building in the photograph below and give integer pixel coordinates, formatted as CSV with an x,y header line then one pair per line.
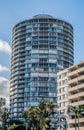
x,y
71,92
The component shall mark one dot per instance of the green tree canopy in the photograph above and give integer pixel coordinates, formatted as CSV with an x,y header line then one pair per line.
x,y
16,127
38,117
77,111
4,114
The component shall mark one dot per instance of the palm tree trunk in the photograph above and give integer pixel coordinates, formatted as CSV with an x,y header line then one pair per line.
x,y
75,123
78,122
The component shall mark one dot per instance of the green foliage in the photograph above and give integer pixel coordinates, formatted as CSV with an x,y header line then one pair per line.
x,y
77,111
17,127
38,117
4,114
15,121
2,102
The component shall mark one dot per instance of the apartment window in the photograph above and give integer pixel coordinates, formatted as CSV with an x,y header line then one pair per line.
x,y
33,89
59,77
35,46
34,42
59,83
26,89
34,65
34,103
25,104
15,109
43,28
66,96
65,88
43,65
62,104
34,38
26,99
59,90
53,89
66,103
52,38
34,79
43,20
15,114
59,97
52,47
52,65
43,79
43,46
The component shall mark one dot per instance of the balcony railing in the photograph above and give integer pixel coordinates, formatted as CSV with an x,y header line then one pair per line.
x,y
76,88
73,128
72,121
76,79
77,95
76,103
76,71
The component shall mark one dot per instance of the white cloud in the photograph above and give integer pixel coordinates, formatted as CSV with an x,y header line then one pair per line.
x,y
4,89
5,47
3,68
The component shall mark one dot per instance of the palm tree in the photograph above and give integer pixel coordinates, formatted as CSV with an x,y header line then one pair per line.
x,y
43,115
39,117
2,102
31,118
4,114
46,113
78,111
73,110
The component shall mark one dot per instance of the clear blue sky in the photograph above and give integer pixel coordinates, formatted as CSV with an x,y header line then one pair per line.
x,y
13,11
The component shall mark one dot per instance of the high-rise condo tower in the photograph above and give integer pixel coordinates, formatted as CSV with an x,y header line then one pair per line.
x,y
41,47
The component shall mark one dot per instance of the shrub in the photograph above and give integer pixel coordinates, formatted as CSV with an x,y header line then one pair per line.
x,y
17,127
15,121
